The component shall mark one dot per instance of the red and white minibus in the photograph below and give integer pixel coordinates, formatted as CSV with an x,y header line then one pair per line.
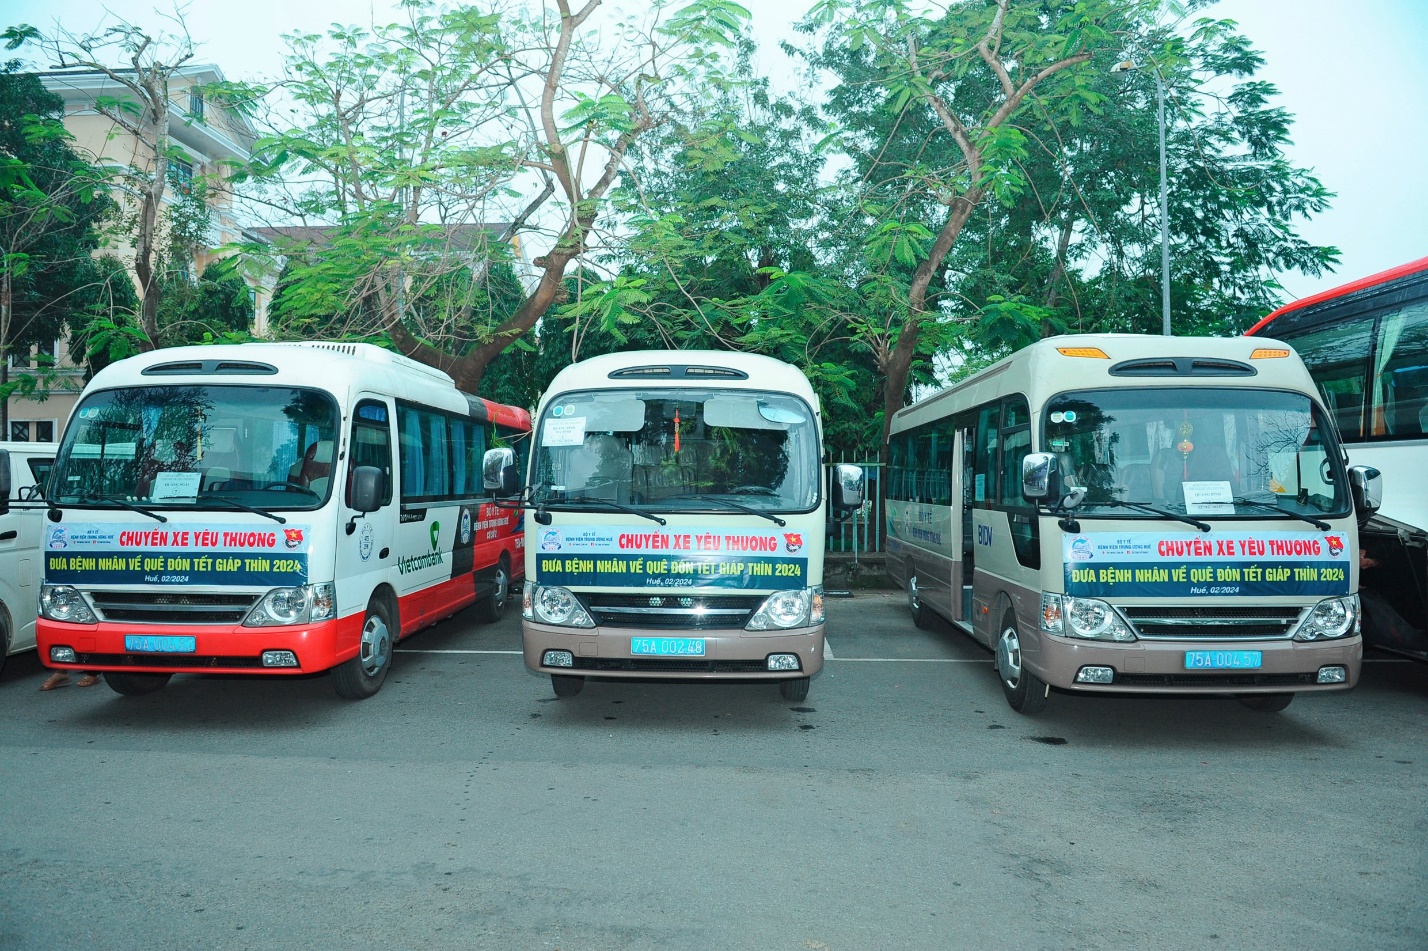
x,y
270,508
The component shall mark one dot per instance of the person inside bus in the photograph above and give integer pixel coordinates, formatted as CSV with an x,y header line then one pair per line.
x,y
1383,626
315,469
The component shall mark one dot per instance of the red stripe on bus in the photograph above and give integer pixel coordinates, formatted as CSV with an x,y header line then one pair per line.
x,y
1373,280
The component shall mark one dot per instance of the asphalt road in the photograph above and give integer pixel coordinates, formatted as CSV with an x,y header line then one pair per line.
x,y
902,805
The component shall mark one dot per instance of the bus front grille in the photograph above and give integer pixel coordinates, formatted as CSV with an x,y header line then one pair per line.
x,y
672,612
170,660
1220,623
172,608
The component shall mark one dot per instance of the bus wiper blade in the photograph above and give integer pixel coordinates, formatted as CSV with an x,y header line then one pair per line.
x,y
239,505
1117,503
123,503
612,504
737,505
1320,524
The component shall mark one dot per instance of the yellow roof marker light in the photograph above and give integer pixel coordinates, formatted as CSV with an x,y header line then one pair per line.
x,y
1096,352
1269,353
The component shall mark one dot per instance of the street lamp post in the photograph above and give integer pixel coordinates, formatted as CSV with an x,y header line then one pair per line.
x,y
1126,66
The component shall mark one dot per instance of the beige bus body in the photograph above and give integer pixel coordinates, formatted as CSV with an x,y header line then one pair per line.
x,y
673,498
967,546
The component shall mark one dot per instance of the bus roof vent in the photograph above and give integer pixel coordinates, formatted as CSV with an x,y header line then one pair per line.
x,y
200,367
678,373
367,351
1182,366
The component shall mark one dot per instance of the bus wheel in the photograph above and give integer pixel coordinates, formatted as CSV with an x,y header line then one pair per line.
x,y
490,608
362,676
796,689
921,616
565,685
135,685
1266,702
1025,692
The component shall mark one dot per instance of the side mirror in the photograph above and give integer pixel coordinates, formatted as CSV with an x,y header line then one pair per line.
x,y
498,473
368,487
1040,477
1366,486
849,486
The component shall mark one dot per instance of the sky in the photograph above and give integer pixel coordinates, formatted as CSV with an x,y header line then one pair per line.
x,y
1352,74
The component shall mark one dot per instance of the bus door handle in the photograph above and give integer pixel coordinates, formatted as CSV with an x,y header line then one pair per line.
x,y
7,536
384,553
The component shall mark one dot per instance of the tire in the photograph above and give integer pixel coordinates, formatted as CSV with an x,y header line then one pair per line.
x,y
921,613
1025,692
363,675
490,609
135,685
1266,702
796,689
566,686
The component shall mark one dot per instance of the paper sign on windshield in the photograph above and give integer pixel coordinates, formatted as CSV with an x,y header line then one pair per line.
x,y
1244,564
175,486
1209,498
563,432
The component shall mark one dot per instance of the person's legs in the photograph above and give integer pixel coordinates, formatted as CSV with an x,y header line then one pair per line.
x,y
57,679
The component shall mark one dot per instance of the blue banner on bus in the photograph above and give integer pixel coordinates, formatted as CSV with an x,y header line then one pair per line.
x,y
1240,564
194,554
624,557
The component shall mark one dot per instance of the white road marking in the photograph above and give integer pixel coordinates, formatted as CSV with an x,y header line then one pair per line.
x,y
408,650
827,650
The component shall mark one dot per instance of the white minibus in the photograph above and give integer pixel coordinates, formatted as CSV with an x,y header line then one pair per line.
x,y
1135,514
680,518
24,468
270,508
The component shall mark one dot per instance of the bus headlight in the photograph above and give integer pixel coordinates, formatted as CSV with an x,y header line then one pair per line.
x,y
784,609
1331,618
549,604
62,602
1090,618
284,606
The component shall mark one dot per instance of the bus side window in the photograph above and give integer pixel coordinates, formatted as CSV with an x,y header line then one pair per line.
x,y
371,445
1021,515
984,465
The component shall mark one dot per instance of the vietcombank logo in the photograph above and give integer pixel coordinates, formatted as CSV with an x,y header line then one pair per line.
x,y
430,560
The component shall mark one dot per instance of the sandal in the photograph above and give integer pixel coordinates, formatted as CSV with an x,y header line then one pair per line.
x,y
56,680
88,680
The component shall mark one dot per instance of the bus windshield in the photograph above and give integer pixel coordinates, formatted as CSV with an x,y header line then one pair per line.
x,y
263,446
1197,451
684,450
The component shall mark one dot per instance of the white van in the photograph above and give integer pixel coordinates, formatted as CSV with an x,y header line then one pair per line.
x,y
24,469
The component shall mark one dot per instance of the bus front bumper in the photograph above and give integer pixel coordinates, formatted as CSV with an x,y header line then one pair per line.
x,y
217,649
728,654
1159,666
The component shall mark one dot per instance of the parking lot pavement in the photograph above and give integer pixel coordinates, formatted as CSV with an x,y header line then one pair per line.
x,y
901,805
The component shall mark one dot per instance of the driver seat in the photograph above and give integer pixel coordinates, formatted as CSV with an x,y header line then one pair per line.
x,y
314,471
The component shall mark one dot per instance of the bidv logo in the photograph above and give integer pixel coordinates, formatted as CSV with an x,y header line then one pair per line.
x,y
984,535
793,541
550,541
1336,545
1081,549
292,537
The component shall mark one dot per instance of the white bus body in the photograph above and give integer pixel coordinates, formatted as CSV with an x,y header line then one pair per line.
x,y
1123,594
680,520
269,508
27,466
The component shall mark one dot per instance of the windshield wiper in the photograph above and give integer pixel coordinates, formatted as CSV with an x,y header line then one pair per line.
x,y
737,505
122,503
611,503
1320,524
1117,503
239,505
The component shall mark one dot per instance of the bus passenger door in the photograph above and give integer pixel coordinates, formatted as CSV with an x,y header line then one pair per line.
x,y
365,558
962,532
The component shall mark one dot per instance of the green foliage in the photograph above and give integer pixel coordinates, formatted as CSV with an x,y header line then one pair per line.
x,y
218,307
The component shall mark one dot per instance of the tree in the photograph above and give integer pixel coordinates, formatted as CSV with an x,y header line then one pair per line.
x,y
52,203
146,112
419,134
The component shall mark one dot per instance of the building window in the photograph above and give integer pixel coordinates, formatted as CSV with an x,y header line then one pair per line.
x,y
181,175
195,104
45,430
19,432
20,359
37,430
